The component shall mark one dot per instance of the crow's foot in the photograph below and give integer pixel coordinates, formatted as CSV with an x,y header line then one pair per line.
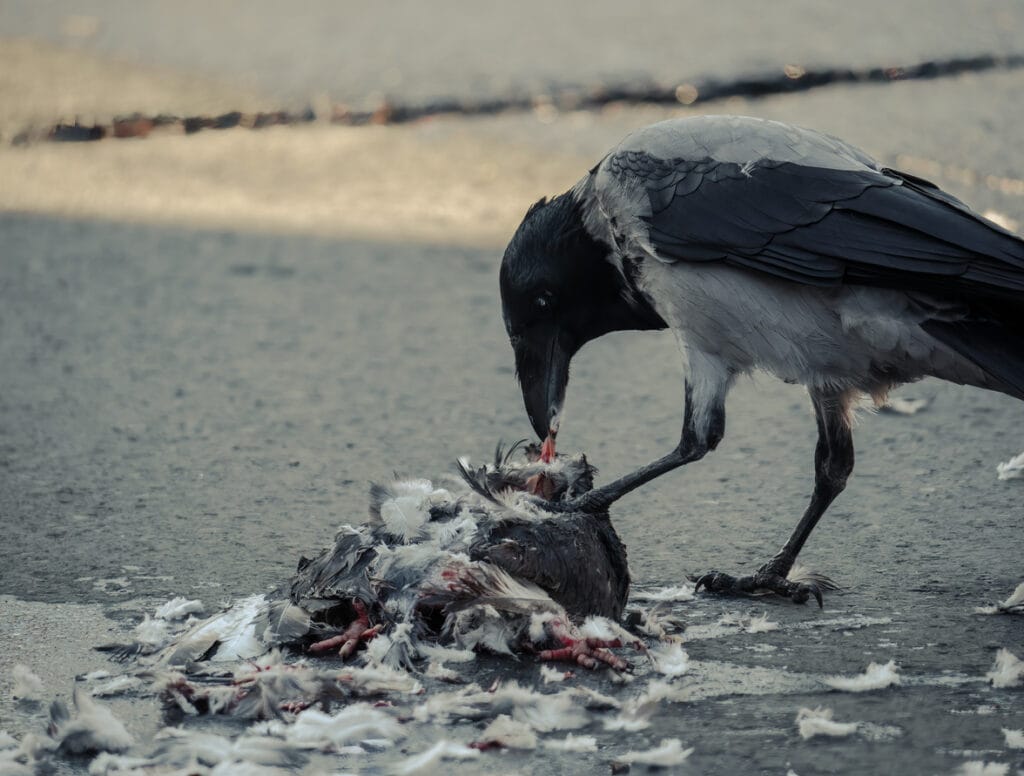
x,y
358,632
763,580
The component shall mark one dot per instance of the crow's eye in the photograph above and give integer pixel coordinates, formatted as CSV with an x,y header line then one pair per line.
x,y
544,302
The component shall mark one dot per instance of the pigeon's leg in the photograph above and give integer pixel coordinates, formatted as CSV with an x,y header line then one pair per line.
x,y
357,632
587,652
833,463
703,429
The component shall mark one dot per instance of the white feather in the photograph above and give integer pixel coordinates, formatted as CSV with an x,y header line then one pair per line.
x,y
153,633
1014,738
1012,469
900,405
431,759
604,629
551,675
446,654
670,752
761,625
679,593
630,719
93,728
981,768
106,763
234,629
379,679
669,659
178,609
438,670
442,708
875,678
313,729
543,712
1007,670
819,722
116,686
404,516
27,686
1016,598
509,733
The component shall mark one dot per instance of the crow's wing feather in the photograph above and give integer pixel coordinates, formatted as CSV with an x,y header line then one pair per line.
x,y
801,206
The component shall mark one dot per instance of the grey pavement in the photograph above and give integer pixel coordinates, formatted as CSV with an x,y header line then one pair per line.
x,y
188,404
413,51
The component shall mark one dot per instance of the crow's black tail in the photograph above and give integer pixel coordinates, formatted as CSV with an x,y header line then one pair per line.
x,y
993,340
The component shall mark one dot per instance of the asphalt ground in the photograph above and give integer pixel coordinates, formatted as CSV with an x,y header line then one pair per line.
x,y
211,344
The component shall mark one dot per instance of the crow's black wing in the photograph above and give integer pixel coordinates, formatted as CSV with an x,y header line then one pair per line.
x,y
804,207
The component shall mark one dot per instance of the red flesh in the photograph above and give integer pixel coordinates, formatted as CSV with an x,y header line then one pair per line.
x,y
547,450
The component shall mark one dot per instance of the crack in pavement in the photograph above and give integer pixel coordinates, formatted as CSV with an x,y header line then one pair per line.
x,y
789,79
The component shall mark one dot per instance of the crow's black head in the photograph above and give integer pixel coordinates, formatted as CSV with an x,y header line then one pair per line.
x,y
558,292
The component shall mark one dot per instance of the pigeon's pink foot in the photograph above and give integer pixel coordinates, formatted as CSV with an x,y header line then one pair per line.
x,y
589,653
357,632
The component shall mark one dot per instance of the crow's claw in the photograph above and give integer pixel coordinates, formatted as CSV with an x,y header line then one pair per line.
x,y
760,581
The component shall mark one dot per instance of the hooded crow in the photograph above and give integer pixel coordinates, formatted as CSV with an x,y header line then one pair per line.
x,y
762,246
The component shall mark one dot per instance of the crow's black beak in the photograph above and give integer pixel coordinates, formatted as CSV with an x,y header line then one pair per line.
x,y
542,363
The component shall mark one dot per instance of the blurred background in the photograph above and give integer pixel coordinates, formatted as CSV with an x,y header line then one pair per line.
x,y
248,264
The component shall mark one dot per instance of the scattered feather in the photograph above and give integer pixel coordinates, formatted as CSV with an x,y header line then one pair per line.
x,y
543,712
429,760
679,593
604,629
982,768
438,670
631,719
658,691
761,625
1012,469
27,686
898,405
551,675
151,632
1014,738
670,752
507,732
1014,604
404,517
819,722
179,608
248,754
1015,601
597,701
107,764
876,677
117,686
1007,671
669,659
313,729
94,728
657,622
446,654
572,743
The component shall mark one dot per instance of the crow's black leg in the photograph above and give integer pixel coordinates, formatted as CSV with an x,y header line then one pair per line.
x,y
703,428
833,462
